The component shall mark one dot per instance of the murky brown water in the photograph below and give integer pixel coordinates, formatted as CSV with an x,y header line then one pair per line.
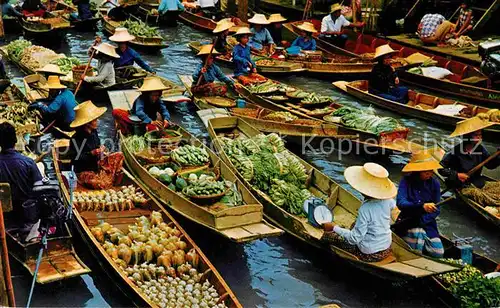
x,y
278,272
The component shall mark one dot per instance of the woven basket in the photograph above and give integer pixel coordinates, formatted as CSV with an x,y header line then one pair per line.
x,y
78,71
210,199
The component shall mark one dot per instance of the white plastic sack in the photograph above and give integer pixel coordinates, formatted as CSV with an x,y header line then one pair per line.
x,y
449,110
435,72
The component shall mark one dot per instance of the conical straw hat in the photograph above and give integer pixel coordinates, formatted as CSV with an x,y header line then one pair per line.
x,y
470,125
259,19
86,112
307,26
223,25
121,35
107,49
205,50
372,180
422,161
53,83
51,69
383,50
243,31
276,18
335,7
152,84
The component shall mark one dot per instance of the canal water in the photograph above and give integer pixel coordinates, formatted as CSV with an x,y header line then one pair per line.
x,y
277,272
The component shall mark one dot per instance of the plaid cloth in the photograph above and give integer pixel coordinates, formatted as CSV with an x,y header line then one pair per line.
x,y
430,22
463,17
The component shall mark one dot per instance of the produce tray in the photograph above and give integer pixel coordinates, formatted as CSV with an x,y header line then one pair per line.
x,y
219,101
209,199
401,134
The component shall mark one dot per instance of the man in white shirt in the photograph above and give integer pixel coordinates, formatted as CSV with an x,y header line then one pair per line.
x,y
331,26
209,8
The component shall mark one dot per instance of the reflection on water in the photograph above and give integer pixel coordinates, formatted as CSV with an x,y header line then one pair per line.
x,y
277,272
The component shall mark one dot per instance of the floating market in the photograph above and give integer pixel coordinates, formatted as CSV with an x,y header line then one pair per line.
x,y
161,153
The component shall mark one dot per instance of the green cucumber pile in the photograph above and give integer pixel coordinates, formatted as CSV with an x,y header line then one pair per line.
x,y
205,188
66,64
16,49
139,28
190,155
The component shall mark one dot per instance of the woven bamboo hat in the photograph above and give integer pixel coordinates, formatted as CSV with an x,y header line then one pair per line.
x,y
152,84
276,18
470,125
259,19
107,49
383,50
307,26
243,31
121,35
205,50
86,112
335,7
51,69
53,83
422,161
372,180
223,25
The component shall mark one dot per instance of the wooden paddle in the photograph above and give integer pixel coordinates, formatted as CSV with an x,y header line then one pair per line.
x,y
206,60
396,224
476,168
85,71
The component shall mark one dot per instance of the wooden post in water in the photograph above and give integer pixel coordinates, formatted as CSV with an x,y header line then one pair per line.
x,y
6,289
2,33
243,10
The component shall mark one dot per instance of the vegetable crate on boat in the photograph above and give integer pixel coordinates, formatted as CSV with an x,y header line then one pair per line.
x,y
141,247
282,181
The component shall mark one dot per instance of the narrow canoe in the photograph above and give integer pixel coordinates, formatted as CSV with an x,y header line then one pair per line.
x,y
44,31
403,265
466,81
483,263
273,66
146,43
420,105
85,220
200,22
387,142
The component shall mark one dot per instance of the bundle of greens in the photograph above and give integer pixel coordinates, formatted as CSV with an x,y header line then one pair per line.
x,y
478,292
139,28
265,166
371,123
16,49
288,196
244,165
342,111
135,143
270,143
66,64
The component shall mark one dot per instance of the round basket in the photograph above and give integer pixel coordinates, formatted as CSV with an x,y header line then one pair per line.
x,y
152,156
297,95
219,101
320,115
208,199
277,98
215,173
78,71
321,104
166,136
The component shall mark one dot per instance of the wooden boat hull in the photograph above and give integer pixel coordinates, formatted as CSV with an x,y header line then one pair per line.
x,y
44,32
60,263
83,225
281,68
490,97
344,207
479,209
358,90
197,21
152,44
89,25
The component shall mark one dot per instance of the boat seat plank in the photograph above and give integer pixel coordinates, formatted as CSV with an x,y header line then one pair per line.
x,y
261,229
474,80
46,273
430,265
407,269
68,265
237,233
385,261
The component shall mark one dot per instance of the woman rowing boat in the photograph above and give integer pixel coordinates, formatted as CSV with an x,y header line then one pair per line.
x,y
370,239
128,56
418,193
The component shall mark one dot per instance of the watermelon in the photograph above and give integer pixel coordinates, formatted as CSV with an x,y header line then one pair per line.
x,y
180,183
165,178
171,186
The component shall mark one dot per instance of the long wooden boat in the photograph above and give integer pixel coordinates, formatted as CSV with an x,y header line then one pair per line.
x,y
466,81
146,43
264,65
84,221
384,143
200,22
403,265
148,12
87,25
482,263
420,105
44,31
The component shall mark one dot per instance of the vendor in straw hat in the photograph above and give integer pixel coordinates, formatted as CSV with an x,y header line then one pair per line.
x,y
96,168
209,72
305,41
59,105
370,239
148,107
467,154
105,54
128,56
384,81
222,31
276,26
245,68
261,40
333,24
418,193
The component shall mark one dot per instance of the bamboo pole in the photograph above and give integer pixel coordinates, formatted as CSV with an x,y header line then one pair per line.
x,y
6,279
2,33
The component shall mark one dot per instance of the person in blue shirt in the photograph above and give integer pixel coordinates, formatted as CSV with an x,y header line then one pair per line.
x,y
84,12
148,108
261,40
60,106
16,169
245,68
128,56
305,41
9,10
207,73
418,193
167,6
